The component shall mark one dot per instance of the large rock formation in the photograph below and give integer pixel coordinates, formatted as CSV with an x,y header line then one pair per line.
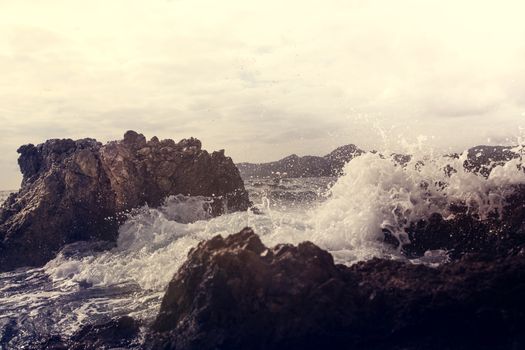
x,y
79,190
308,166
235,293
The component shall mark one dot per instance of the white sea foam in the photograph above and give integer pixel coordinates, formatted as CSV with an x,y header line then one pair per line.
x,y
376,193
85,284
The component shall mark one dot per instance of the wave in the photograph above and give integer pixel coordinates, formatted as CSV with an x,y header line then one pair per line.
x,y
87,282
379,193
376,193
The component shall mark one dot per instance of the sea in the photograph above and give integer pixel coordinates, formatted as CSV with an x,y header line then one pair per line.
x,y
346,216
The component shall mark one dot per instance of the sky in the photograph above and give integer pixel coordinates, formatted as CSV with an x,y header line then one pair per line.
x,y
262,79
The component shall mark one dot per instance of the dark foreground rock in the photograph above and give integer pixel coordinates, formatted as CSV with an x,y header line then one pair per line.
x,y
235,293
79,190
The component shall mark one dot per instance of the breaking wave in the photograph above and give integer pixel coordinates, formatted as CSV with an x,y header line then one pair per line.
x,y
87,282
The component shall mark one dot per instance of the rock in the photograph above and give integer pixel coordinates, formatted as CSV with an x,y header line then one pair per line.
x,y
340,156
473,303
482,159
497,235
79,190
235,293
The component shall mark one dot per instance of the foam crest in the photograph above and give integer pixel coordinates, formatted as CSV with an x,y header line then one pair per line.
x,y
151,246
376,193
379,193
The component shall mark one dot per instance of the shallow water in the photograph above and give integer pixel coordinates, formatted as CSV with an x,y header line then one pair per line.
x,y
87,284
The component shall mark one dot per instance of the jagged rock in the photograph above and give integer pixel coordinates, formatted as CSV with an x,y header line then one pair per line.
x,y
234,293
78,190
465,232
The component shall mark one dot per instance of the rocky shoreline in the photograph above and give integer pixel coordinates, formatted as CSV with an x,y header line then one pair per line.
x,y
81,190
236,293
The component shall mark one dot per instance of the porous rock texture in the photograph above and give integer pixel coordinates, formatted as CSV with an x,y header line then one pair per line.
x,y
235,293
80,190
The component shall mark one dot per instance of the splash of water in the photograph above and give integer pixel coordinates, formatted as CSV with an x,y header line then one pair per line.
x,y
378,193
375,193
86,283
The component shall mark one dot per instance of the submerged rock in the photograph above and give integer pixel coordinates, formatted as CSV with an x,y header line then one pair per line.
x,y
79,190
235,293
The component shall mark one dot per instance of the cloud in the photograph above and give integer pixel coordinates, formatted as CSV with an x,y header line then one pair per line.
x,y
260,80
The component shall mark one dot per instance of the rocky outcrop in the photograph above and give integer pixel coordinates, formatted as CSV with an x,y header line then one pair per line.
x,y
500,233
497,234
235,293
79,190
308,166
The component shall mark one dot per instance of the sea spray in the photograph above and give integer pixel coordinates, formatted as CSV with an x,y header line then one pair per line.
x,y
86,284
378,193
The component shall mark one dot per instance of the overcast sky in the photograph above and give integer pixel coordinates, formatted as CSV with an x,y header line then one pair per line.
x,y
261,79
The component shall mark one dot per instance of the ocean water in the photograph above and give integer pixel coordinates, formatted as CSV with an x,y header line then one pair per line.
x,y
85,284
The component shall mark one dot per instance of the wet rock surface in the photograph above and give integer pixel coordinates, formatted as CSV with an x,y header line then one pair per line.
x,y
482,159
499,234
79,190
235,293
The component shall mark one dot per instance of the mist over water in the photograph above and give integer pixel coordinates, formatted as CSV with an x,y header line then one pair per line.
x,y
87,284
